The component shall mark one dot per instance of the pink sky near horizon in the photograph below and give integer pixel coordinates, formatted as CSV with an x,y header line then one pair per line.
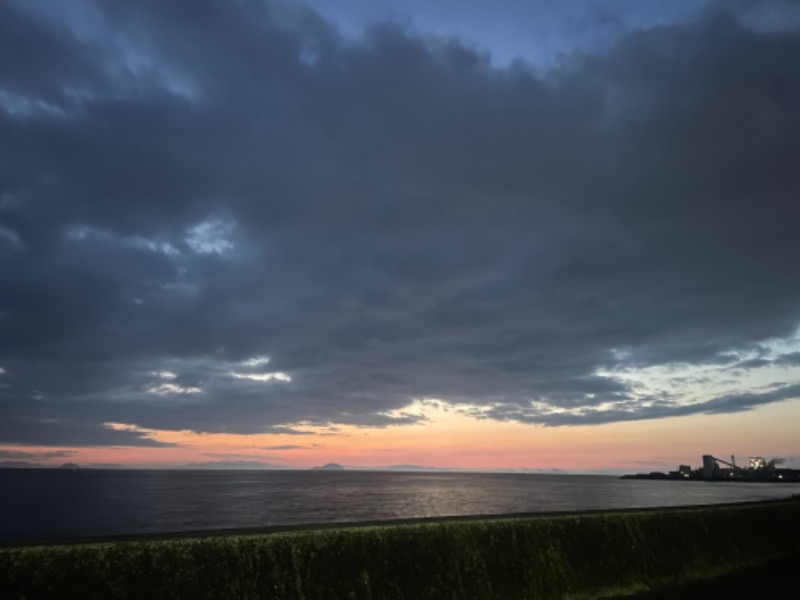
x,y
452,440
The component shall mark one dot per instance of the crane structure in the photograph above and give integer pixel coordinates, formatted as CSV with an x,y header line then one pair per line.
x,y
731,464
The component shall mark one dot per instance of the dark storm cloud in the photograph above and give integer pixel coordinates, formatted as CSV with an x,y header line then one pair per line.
x,y
20,429
788,360
188,185
792,359
19,455
640,410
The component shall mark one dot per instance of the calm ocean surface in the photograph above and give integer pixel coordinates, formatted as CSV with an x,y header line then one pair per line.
x,y
62,503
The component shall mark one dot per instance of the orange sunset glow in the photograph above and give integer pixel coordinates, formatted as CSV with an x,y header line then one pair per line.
x,y
266,235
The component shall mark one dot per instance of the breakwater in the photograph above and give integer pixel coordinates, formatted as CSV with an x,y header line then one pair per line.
x,y
577,555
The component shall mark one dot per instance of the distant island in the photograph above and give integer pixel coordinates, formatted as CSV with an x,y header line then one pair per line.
x,y
329,467
70,466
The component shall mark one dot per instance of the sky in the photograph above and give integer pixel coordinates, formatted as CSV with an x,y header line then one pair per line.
x,y
457,234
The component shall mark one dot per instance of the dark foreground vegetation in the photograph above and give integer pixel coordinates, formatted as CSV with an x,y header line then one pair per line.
x,y
773,580
586,555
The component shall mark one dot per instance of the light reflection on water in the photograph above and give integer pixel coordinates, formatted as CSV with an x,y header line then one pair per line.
x,y
53,503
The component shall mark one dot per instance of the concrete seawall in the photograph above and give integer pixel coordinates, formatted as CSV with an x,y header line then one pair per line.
x,y
579,555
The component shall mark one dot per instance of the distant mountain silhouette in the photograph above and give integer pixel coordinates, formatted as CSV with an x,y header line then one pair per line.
x,y
329,467
70,466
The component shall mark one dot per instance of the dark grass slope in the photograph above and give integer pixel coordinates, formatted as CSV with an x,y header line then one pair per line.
x,y
588,555
773,580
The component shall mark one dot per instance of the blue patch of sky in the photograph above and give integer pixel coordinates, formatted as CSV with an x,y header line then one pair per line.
x,y
537,32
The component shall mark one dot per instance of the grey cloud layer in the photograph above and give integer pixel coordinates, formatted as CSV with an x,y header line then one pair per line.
x,y
184,186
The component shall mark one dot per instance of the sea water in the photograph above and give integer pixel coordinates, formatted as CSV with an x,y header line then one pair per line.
x,y
53,504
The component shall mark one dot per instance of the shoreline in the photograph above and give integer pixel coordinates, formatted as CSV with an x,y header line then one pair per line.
x,y
201,534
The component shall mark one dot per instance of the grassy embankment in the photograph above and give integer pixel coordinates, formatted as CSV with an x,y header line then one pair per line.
x,y
579,555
